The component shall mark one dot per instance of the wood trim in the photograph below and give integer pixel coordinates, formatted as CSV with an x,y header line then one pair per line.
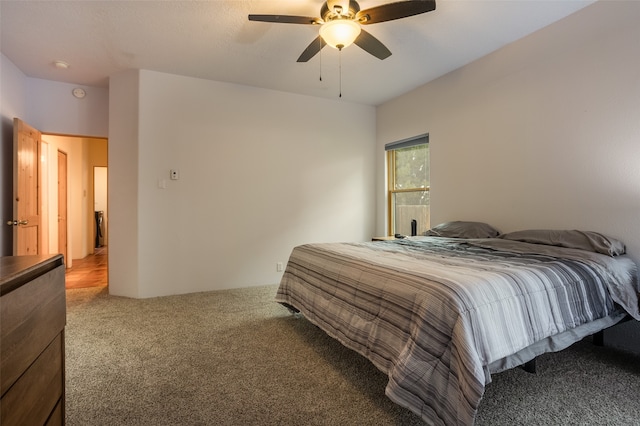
x,y
397,191
66,135
391,164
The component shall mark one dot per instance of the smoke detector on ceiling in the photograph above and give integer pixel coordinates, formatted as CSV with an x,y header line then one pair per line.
x,y
61,65
79,93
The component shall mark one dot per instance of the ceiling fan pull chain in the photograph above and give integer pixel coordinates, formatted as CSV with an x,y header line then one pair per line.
x,y
320,41
340,69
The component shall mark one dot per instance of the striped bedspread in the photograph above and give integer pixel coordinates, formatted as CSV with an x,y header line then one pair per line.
x,y
434,313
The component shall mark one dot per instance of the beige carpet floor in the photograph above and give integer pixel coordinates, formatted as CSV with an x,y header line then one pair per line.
x,y
237,358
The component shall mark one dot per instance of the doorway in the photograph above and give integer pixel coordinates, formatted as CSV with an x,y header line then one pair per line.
x,y
100,206
86,264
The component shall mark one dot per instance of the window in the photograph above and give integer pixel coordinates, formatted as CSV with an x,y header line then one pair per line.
x,y
408,165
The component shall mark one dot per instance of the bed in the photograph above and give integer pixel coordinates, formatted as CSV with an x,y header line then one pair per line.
x,y
439,314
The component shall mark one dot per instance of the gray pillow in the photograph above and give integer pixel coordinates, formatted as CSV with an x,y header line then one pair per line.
x,y
463,229
583,240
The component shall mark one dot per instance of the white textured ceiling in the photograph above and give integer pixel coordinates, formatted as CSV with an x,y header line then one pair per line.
x,y
214,40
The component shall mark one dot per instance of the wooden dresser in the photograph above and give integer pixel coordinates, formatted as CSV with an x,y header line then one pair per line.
x,y
32,321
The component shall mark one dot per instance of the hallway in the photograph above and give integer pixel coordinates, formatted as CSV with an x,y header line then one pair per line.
x,y
88,272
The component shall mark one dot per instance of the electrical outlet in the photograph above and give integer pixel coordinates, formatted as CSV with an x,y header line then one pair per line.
x,y
279,267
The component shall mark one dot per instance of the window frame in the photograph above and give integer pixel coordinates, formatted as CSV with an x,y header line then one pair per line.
x,y
391,149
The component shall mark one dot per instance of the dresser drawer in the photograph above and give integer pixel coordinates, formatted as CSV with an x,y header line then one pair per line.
x,y
33,397
57,417
31,316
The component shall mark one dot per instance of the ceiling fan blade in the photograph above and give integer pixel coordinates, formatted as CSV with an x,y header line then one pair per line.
x,y
286,19
372,45
314,47
396,10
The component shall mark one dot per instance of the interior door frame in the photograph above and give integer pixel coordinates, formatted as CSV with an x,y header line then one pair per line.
x,y
63,232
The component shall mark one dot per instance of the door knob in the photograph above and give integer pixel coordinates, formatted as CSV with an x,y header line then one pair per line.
x,y
17,222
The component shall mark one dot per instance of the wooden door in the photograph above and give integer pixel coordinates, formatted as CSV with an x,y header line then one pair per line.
x,y
26,189
62,205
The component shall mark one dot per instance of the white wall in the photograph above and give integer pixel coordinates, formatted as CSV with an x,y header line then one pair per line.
x,y
260,172
543,133
53,109
76,194
122,184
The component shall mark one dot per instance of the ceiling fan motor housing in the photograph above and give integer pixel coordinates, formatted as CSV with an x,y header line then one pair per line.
x,y
335,11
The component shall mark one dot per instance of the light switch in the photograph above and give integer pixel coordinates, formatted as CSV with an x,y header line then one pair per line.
x,y
175,174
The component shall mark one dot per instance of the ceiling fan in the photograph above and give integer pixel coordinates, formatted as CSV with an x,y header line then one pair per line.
x,y
340,24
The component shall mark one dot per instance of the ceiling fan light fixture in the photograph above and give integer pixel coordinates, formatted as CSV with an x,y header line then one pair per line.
x,y
340,33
